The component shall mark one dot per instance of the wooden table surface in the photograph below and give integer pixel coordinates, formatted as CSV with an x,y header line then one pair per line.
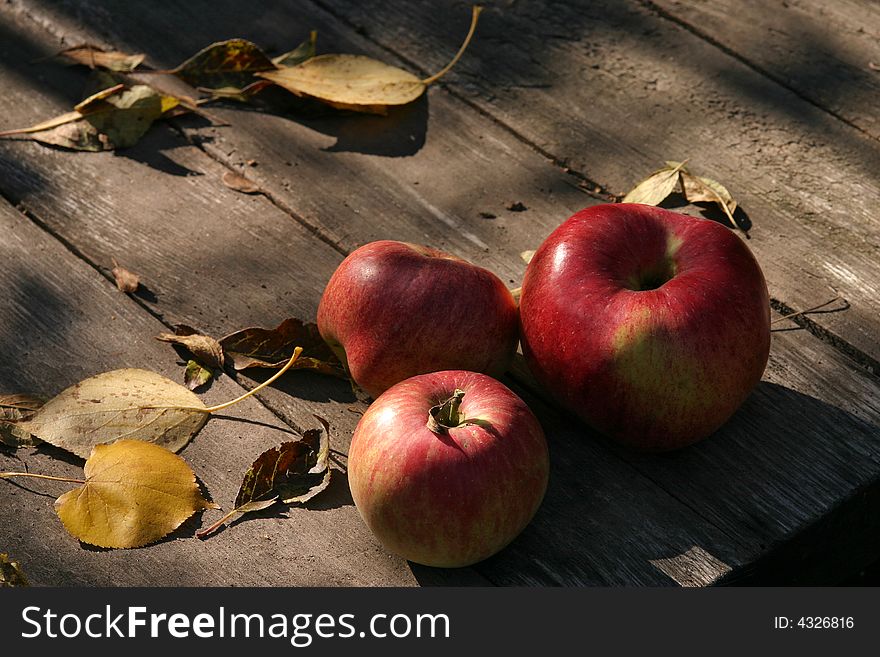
x,y
557,105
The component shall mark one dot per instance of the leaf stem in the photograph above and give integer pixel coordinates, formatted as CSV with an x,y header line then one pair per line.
x,y
474,18
10,475
203,533
269,381
808,310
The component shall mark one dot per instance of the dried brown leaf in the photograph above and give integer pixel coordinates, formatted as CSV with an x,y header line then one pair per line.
x,y
126,281
239,183
205,348
260,347
225,64
697,189
293,472
96,57
11,573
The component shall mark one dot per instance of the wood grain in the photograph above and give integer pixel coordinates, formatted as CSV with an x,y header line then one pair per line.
x,y
828,52
611,517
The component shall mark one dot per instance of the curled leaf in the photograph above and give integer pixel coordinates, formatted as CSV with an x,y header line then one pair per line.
x,y
196,375
697,189
15,409
205,348
134,493
127,403
239,183
304,51
96,57
260,347
656,187
293,472
225,64
10,573
113,118
356,82
126,281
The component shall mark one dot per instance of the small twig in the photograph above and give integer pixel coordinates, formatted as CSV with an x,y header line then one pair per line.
x,y
807,311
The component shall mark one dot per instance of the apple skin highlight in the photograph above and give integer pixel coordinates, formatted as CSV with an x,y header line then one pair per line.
x,y
393,310
652,326
454,497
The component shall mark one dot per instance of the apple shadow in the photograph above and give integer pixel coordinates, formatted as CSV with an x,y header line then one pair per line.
x,y
769,498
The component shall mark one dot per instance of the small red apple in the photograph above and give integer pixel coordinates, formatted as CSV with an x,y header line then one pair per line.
x,y
447,468
392,310
653,326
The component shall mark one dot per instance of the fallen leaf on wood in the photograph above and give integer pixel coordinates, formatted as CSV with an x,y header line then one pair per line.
x,y
15,409
19,406
656,187
134,493
295,57
242,95
705,190
10,573
225,64
239,183
293,472
113,118
196,375
126,281
356,82
96,57
260,347
126,403
205,348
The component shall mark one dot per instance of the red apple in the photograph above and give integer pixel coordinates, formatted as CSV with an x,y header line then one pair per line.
x,y
447,468
653,326
393,310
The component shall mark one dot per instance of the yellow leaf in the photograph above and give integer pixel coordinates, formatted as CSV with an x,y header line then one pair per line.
x,y
351,82
356,82
127,403
697,189
135,493
656,187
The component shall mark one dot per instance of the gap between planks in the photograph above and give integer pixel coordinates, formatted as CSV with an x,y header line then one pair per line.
x,y
660,12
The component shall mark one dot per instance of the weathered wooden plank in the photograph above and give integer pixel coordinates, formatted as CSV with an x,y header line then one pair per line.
x,y
561,509
611,89
828,52
89,202
61,322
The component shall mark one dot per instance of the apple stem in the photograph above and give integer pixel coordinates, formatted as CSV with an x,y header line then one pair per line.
x,y
445,416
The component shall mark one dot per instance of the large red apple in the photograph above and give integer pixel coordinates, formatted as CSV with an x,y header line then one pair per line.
x,y
653,326
392,310
447,468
